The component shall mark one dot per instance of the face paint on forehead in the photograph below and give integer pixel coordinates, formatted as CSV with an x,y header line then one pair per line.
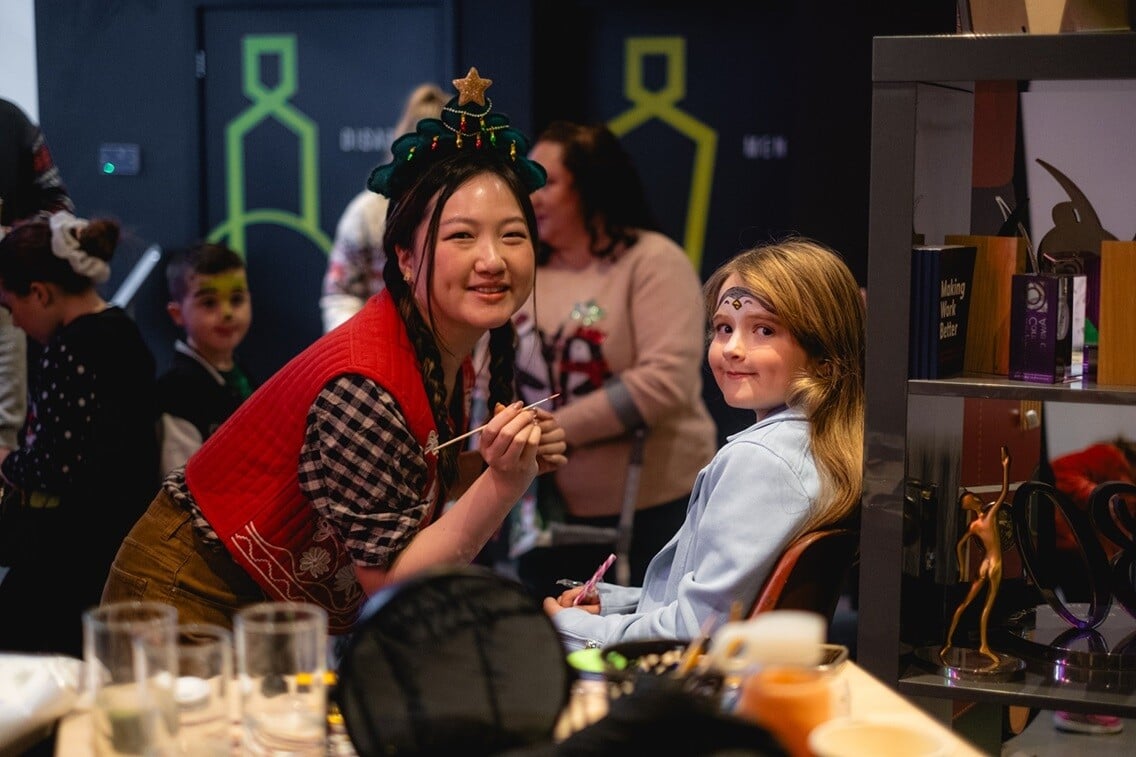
x,y
735,297
223,283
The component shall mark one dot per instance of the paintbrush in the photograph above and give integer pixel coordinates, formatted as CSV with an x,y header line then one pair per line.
x,y
690,656
590,585
473,431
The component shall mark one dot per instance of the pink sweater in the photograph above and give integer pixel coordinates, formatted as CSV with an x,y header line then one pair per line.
x,y
631,325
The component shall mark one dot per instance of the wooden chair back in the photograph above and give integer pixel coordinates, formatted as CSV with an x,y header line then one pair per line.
x,y
810,573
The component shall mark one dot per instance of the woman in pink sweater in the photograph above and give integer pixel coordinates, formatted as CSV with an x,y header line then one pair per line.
x,y
615,325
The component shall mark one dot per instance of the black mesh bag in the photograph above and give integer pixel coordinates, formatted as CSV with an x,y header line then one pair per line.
x,y
454,661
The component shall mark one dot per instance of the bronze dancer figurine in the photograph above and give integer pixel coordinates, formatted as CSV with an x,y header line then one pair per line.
x,y
984,527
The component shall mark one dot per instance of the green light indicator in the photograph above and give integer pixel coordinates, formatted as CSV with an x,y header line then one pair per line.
x,y
108,167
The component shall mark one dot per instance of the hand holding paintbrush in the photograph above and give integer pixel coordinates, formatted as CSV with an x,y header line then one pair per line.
x,y
473,431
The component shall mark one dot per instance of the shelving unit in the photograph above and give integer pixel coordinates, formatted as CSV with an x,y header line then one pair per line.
x,y
909,421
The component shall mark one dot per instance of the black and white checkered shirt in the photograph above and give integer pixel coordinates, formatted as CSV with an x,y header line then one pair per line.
x,y
359,466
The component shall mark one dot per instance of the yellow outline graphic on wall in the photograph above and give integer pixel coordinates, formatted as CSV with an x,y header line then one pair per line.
x,y
268,102
662,104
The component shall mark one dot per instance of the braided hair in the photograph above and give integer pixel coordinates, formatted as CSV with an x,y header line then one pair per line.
x,y
435,186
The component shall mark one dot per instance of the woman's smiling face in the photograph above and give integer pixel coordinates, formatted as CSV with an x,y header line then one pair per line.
x,y
484,261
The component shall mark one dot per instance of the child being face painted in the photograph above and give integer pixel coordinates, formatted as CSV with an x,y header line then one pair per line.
x,y
752,354
786,340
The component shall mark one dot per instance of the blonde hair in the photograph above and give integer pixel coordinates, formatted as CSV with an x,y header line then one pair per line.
x,y
425,101
814,294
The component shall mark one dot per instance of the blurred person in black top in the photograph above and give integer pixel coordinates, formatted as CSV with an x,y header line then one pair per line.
x,y
88,456
30,185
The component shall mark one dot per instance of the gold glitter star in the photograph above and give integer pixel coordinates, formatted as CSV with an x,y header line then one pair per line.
x,y
472,88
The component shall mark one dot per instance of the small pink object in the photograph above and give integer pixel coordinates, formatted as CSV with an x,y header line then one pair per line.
x,y
590,586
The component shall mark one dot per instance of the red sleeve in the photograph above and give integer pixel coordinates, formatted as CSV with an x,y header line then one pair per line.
x,y
1078,473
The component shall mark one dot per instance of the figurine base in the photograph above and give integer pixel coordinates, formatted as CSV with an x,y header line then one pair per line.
x,y
1103,658
968,664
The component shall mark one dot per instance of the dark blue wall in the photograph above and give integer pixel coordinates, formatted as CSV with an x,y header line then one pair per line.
x,y
123,71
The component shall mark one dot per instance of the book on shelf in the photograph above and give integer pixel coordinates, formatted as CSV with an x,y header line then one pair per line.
x,y
916,337
1116,345
942,281
988,331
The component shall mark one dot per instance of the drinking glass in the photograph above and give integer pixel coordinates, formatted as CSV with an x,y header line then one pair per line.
x,y
130,661
204,690
790,701
281,660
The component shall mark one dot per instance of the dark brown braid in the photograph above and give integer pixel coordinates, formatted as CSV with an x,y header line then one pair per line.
x,y
436,185
430,365
502,361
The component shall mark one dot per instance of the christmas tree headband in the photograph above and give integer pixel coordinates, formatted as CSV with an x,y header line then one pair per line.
x,y
467,123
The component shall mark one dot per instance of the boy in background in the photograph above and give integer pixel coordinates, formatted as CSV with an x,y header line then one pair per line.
x,y
209,298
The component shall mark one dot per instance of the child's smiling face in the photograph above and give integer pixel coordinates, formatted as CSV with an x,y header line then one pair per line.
x,y
216,313
752,354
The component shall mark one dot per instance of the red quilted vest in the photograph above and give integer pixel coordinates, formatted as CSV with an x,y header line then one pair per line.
x,y
245,479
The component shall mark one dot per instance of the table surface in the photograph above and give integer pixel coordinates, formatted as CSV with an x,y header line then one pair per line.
x,y
867,695
870,696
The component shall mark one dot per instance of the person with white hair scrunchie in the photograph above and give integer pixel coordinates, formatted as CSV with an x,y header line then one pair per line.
x,y
88,459
65,231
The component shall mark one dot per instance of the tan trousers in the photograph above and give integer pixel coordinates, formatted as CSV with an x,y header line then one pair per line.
x,y
164,560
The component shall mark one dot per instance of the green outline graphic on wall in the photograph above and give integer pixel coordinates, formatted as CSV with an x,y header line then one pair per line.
x,y
271,103
662,104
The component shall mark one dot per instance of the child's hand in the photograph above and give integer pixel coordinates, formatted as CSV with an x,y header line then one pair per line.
x,y
567,598
553,605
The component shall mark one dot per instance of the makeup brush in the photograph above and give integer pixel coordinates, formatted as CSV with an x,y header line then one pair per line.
x,y
473,431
